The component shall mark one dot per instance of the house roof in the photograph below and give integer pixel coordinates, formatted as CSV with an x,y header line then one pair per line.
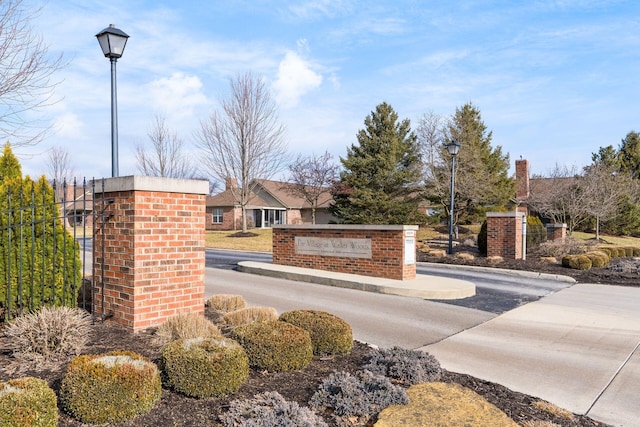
x,y
282,192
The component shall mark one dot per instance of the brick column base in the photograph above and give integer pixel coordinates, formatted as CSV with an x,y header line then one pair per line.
x,y
152,237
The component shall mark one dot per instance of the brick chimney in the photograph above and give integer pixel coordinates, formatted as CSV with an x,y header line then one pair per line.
x,y
230,183
522,179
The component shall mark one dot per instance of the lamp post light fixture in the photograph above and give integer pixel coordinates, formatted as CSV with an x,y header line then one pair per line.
x,y
453,147
112,41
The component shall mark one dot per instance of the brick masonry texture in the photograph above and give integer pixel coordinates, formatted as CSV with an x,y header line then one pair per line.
x,y
504,236
154,258
387,252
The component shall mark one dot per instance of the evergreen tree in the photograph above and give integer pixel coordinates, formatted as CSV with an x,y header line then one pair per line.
x,y
39,259
482,172
381,180
629,154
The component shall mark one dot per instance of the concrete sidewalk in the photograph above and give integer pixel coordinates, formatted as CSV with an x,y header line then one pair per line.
x,y
577,348
423,286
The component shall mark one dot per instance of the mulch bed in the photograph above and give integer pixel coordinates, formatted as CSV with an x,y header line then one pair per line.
x,y
175,409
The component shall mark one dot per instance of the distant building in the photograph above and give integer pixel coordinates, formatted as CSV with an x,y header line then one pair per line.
x,y
271,203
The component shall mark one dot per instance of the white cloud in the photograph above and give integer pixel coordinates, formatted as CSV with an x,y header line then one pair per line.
x,y
179,94
69,126
295,78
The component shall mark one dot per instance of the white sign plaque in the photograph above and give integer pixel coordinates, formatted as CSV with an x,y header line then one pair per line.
x,y
340,247
409,250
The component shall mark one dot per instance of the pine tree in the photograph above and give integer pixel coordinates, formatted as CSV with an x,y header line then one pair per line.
x,y
381,180
39,259
481,176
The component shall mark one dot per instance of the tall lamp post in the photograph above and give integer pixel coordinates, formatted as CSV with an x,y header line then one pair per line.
x,y
112,41
453,147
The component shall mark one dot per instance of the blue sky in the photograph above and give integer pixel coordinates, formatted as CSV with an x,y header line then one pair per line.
x,y
553,79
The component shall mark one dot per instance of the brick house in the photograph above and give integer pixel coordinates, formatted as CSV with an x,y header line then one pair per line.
x,y
271,203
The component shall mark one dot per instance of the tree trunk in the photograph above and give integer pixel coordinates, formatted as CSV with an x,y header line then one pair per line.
x,y
597,229
313,215
244,219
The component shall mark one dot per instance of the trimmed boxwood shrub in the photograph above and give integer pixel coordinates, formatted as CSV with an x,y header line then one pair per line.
x,y
275,345
205,367
329,334
27,402
577,262
110,388
598,259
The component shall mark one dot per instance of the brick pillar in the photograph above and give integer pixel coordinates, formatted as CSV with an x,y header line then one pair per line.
x,y
153,241
504,234
556,232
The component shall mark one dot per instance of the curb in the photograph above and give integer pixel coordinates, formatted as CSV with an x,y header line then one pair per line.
x,y
493,270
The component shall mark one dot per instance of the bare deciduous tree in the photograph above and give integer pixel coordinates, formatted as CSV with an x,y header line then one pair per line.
x,y
605,187
431,133
561,197
244,141
59,166
311,178
166,157
25,75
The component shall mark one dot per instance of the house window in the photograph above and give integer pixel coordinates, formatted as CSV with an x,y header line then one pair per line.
x,y
217,215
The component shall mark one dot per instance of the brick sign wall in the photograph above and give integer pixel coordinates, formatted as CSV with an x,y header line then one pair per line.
x,y
371,250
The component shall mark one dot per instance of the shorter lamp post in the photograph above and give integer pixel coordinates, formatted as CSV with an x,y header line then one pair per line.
x,y
112,41
453,147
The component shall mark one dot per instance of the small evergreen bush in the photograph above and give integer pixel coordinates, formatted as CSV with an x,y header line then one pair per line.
x,y
205,367
185,326
27,402
482,238
269,409
226,302
360,396
329,334
598,259
577,262
408,366
110,388
536,232
49,334
275,345
244,316
628,251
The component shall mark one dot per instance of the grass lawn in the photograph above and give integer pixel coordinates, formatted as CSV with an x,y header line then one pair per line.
x,y
262,242
225,240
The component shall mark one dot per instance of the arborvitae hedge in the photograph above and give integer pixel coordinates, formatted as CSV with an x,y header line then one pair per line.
x,y
37,262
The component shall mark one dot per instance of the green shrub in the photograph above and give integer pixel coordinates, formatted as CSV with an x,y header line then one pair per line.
x,y
580,262
185,326
205,367
275,345
482,238
536,232
407,366
607,250
566,260
27,402
269,409
109,388
49,334
598,259
356,397
628,251
329,334
226,302
621,252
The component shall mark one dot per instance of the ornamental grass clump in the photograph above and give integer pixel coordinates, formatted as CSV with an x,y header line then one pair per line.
x,y
577,262
329,334
244,316
269,409
226,302
50,334
346,397
185,326
598,259
110,388
407,366
205,367
275,346
27,402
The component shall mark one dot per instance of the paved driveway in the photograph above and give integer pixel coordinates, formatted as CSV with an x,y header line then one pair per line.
x,y
577,348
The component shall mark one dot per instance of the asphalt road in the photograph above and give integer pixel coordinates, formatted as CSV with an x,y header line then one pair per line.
x,y
495,293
